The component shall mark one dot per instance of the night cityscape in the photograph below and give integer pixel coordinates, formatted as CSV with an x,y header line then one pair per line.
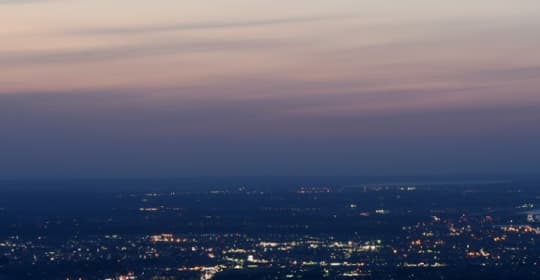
x,y
269,140
486,230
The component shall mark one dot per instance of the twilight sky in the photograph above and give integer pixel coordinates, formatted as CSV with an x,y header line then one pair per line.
x,y
259,87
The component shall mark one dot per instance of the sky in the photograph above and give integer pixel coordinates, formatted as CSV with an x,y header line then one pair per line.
x,y
139,88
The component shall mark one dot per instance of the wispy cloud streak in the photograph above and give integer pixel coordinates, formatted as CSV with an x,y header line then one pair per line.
x,y
142,29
